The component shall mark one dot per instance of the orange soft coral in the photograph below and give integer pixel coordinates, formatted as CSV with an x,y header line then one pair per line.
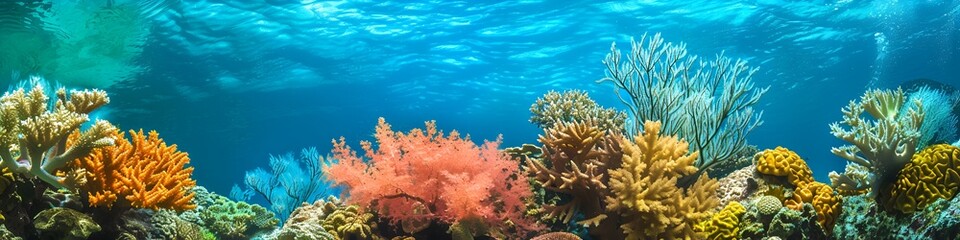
x,y
425,175
143,172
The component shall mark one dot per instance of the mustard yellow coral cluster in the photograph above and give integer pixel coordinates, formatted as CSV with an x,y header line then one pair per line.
x,y
933,174
784,163
725,224
827,204
645,189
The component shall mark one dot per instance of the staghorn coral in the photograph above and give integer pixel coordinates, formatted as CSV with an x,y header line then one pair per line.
x,y
933,174
30,129
574,106
784,163
451,177
579,155
724,224
645,191
143,172
883,144
855,180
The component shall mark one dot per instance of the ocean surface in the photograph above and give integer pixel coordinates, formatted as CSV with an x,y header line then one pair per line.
x,y
232,82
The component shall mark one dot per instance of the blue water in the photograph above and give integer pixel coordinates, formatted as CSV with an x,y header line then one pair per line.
x,y
231,82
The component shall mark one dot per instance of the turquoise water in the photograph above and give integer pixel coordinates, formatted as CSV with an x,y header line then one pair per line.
x,y
232,82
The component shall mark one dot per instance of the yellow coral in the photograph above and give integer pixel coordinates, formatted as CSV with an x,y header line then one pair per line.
x,y
784,163
824,201
645,190
725,224
932,174
350,223
144,171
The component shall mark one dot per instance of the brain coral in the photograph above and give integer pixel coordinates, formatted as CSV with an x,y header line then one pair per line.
x,y
824,200
768,205
785,163
725,224
932,174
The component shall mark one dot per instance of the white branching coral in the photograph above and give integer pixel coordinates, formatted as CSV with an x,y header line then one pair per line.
x,y
33,135
883,144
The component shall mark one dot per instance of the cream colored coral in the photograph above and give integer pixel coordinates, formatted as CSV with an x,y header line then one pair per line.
x,y
39,132
882,144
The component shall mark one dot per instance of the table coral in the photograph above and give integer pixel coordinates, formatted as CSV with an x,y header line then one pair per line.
x,y
933,174
143,171
645,190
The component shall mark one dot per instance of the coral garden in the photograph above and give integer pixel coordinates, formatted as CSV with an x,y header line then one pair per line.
x,y
674,165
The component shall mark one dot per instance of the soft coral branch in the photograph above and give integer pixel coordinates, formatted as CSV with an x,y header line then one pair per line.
x,y
451,176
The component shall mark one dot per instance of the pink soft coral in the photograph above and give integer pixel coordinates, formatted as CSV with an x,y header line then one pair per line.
x,y
424,175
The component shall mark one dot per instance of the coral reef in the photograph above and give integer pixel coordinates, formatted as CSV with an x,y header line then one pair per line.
x,y
737,186
724,224
933,174
228,219
862,218
350,223
40,131
822,198
574,106
645,188
781,162
64,223
708,103
883,144
144,172
451,178
784,163
306,222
